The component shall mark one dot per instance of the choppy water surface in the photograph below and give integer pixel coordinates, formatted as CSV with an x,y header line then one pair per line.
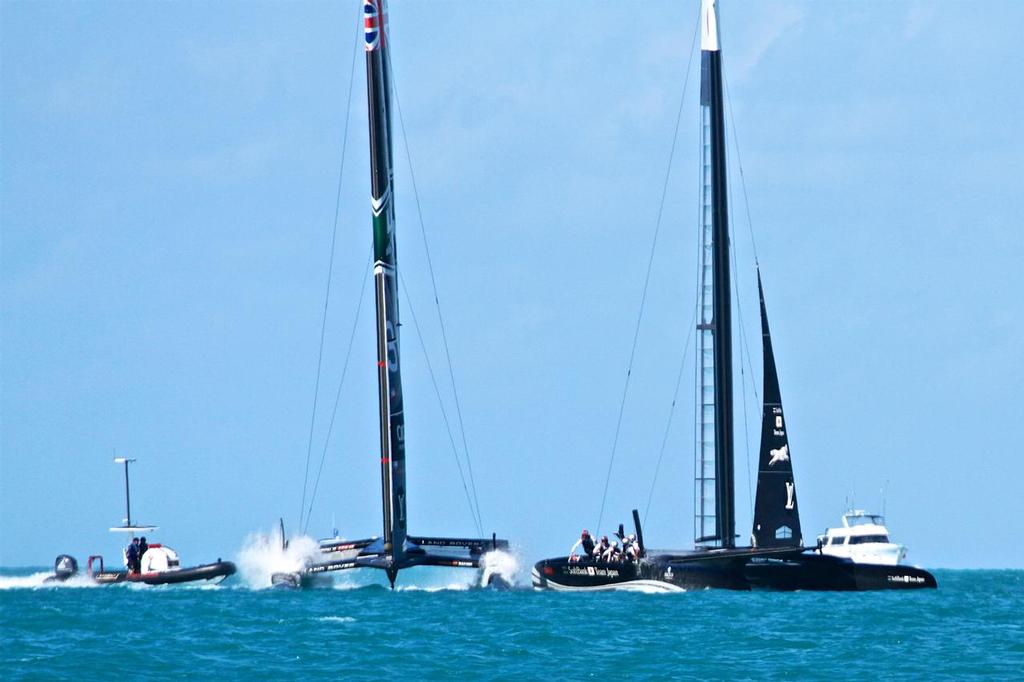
x,y
973,625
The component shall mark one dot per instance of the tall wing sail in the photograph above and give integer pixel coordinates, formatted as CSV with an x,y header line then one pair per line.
x,y
776,515
389,379
715,507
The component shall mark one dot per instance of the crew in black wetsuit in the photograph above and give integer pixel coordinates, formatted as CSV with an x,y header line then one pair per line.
x,y
132,555
143,546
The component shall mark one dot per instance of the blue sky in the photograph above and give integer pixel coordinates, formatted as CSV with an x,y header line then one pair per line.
x,y
168,188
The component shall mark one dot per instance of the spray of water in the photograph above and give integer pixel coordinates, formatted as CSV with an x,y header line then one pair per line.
x,y
264,554
38,580
500,566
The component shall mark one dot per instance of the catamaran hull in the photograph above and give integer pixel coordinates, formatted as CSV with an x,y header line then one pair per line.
x,y
372,554
654,574
215,571
814,571
738,569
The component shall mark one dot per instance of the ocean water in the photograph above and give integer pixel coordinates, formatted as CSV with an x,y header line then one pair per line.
x,y
972,626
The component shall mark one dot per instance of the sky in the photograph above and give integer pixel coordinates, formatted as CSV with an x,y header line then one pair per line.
x,y
169,177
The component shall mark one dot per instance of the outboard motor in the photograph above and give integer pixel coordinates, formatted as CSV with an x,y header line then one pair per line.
x,y
65,567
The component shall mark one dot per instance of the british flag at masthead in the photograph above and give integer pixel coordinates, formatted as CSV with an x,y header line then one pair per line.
x,y
373,23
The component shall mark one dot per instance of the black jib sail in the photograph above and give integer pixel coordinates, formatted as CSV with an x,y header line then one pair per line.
x,y
776,514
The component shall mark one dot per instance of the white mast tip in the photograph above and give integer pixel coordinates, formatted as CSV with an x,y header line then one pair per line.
x,y
708,26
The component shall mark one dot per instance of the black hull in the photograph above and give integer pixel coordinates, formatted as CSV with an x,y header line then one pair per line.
x,y
740,569
716,569
214,571
813,571
418,551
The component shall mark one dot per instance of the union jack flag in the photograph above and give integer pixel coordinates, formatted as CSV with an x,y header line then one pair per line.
x,y
373,23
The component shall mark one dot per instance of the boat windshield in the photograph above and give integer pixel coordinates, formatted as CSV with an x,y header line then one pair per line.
x,y
864,520
862,539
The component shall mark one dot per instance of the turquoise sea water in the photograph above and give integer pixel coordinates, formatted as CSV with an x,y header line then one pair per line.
x,y
972,626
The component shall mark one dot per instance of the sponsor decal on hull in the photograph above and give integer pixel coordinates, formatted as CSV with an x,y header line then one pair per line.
x,y
909,579
592,571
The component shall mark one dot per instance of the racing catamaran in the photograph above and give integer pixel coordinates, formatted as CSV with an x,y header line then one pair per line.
x,y
395,550
776,557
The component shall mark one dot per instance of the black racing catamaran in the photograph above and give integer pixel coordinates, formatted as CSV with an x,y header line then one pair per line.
x,y
395,550
776,557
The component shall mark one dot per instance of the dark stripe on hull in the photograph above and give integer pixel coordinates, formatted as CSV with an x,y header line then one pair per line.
x,y
220,569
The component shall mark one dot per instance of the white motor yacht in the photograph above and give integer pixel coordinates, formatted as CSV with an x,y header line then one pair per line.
x,y
864,539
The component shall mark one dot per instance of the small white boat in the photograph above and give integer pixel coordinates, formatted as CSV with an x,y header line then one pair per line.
x,y
864,539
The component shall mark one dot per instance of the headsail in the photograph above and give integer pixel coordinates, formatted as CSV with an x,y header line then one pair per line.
x,y
776,515
715,513
389,379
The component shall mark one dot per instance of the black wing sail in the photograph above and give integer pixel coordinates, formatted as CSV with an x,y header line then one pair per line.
x,y
776,514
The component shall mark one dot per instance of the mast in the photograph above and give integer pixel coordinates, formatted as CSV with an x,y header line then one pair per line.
x,y
127,492
715,512
776,514
389,380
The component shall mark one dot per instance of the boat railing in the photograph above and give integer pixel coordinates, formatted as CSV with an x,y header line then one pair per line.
x,y
92,559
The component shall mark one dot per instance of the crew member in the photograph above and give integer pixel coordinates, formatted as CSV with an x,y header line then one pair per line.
x,y
586,543
143,546
132,556
632,547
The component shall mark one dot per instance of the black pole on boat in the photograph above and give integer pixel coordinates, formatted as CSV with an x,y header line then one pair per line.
x,y
639,532
127,492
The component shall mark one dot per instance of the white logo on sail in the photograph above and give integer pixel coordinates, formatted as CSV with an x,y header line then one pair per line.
x,y
779,455
790,492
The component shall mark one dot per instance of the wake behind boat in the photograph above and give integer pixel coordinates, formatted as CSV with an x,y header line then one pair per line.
x,y
395,549
776,557
151,564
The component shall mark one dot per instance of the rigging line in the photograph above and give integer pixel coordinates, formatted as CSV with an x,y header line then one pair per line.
x,y
337,396
739,316
744,351
330,266
444,413
671,411
437,302
647,278
739,164
746,434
